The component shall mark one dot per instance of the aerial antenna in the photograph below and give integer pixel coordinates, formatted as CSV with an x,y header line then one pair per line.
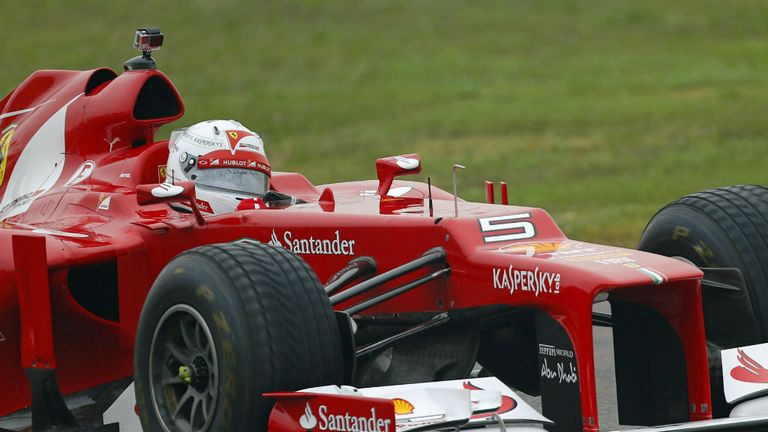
x,y
455,196
429,192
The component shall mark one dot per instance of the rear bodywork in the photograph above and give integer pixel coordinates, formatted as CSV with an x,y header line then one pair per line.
x,y
76,144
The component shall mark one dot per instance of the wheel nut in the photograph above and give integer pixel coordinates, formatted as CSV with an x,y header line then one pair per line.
x,y
185,373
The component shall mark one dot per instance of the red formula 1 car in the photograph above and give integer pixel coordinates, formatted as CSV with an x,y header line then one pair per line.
x,y
108,275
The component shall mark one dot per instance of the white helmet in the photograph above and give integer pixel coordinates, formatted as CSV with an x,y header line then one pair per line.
x,y
226,161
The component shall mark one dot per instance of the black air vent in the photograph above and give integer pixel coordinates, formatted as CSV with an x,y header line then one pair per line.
x,y
156,100
98,78
95,288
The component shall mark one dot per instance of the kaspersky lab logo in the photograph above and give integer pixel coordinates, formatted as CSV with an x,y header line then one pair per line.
x,y
342,422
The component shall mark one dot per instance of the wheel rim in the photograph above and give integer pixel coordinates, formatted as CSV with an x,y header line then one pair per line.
x,y
183,371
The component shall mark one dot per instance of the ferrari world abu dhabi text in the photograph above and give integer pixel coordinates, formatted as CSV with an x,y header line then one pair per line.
x,y
562,375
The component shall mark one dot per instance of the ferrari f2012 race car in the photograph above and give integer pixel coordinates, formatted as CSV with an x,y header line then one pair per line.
x,y
379,305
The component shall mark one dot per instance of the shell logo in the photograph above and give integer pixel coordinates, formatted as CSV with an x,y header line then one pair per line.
x,y
402,406
535,248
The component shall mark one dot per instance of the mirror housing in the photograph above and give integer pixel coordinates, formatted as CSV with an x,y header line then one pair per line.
x,y
390,167
183,191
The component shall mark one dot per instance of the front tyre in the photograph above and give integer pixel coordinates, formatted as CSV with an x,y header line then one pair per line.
x,y
724,227
224,324
721,228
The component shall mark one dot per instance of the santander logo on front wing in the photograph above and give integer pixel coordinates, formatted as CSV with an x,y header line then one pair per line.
x,y
745,375
750,370
347,422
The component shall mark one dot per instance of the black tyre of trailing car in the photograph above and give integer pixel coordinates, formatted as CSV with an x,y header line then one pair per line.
x,y
721,228
225,323
725,227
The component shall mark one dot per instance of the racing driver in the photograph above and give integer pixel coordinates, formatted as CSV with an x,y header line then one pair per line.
x,y
228,164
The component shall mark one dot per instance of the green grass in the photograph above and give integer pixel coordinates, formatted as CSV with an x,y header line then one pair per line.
x,y
598,111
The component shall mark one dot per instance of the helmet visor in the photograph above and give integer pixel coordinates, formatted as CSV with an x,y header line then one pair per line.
x,y
236,180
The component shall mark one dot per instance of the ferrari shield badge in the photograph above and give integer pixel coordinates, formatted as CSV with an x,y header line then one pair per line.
x,y
5,144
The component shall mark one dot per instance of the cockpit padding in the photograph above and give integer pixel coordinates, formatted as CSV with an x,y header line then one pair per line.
x,y
148,166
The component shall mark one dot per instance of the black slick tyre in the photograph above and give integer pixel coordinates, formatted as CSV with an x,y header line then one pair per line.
x,y
224,324
724,227
721,228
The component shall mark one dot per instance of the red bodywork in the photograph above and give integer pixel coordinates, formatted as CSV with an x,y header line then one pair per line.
x,y
79,144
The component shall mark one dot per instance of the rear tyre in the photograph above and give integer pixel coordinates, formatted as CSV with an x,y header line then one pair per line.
x,y
225,323
724,227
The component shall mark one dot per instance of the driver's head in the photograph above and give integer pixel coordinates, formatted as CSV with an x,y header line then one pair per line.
x,y
225,159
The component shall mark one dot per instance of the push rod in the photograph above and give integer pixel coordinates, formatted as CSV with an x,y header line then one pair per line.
x,y
356,269
432,256
395,292
436,321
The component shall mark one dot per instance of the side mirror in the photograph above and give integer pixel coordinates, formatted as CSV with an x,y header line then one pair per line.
x,y
390,167
168,193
